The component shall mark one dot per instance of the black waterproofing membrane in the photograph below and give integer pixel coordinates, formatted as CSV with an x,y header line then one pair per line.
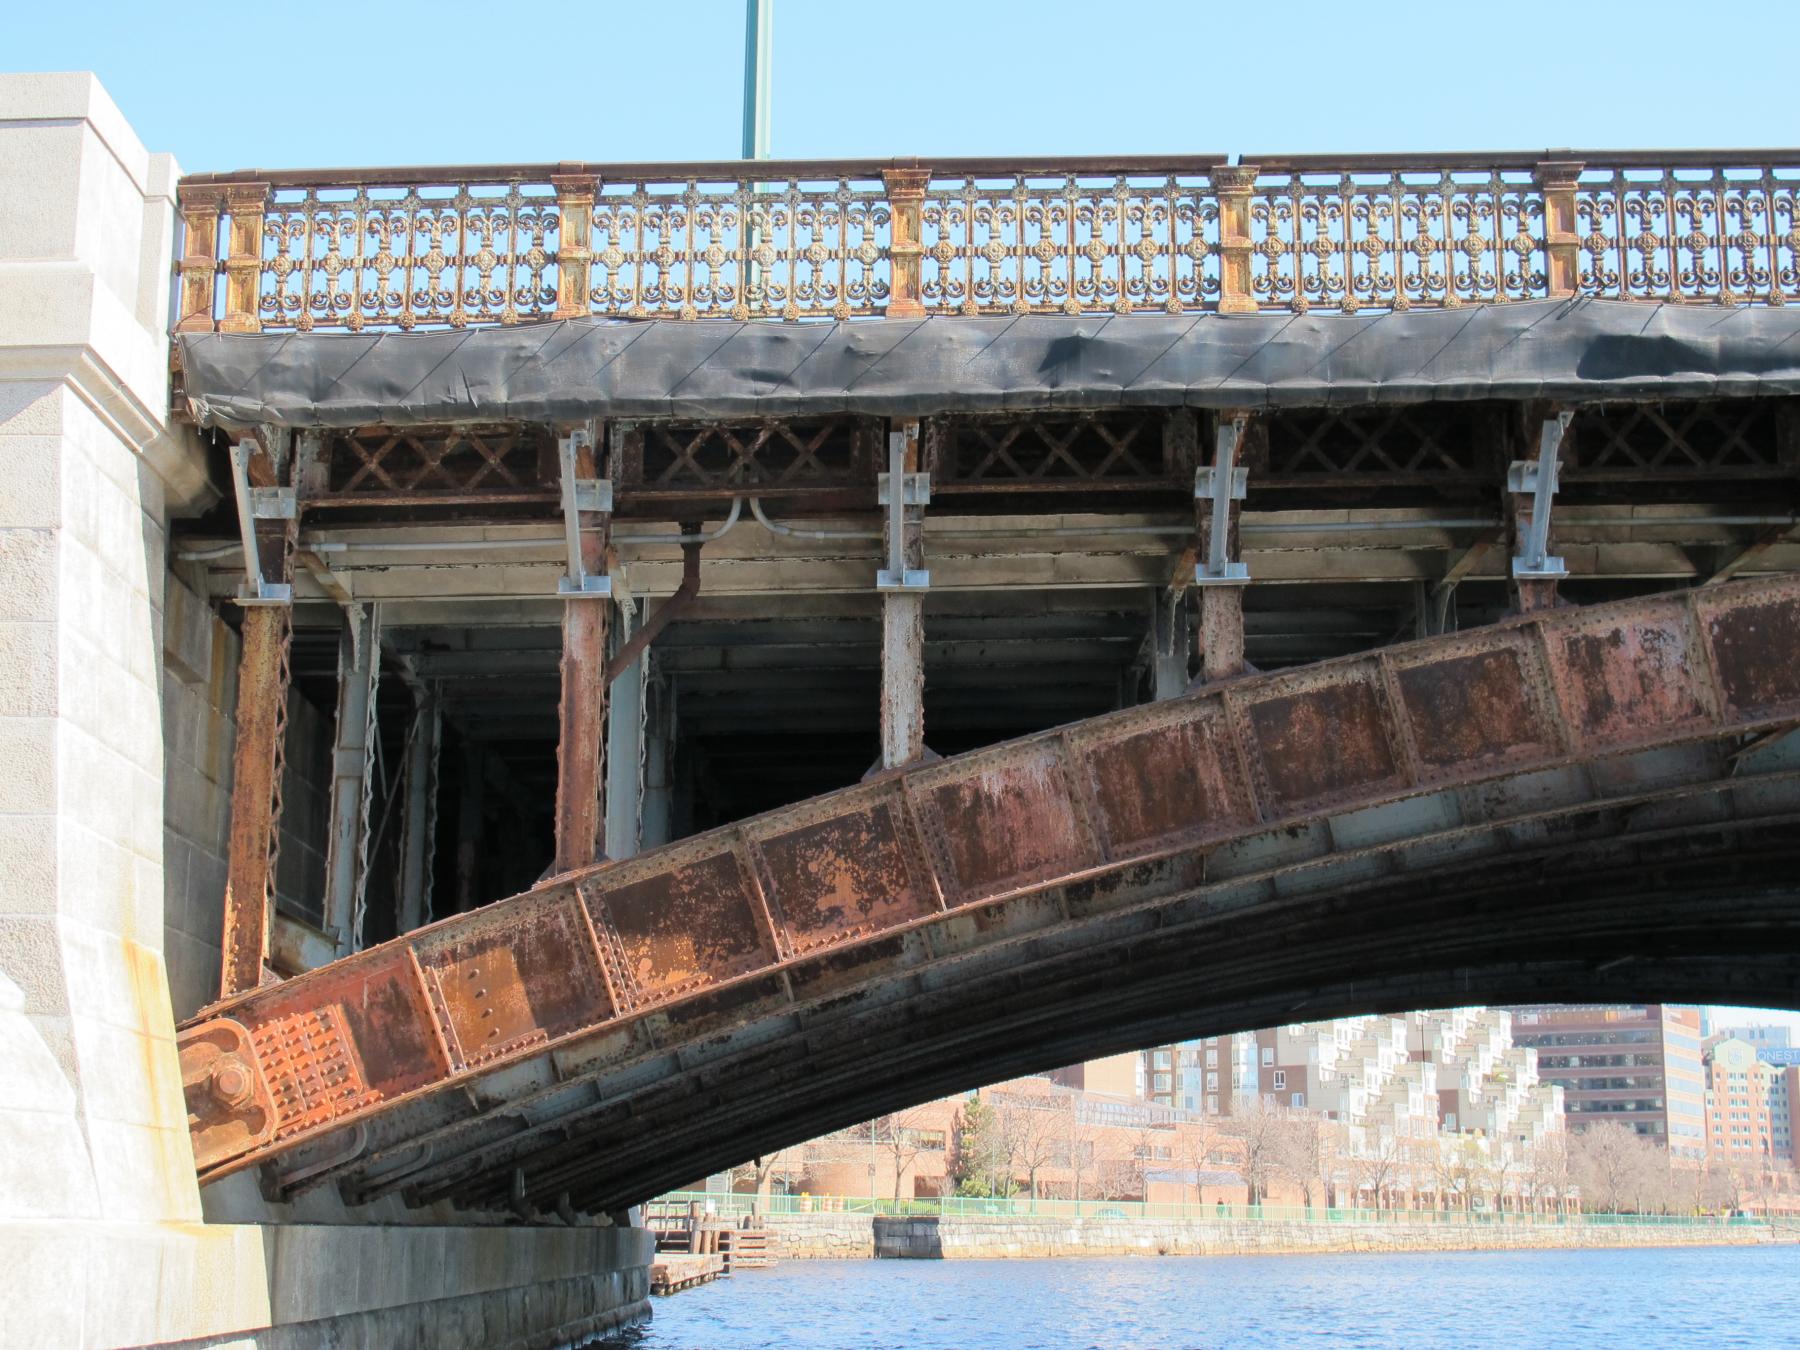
x,y
565,371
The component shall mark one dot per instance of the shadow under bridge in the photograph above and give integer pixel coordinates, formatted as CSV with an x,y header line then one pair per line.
x,y
1581,803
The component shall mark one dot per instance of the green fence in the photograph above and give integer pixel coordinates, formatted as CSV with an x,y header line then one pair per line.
x,y
959,1206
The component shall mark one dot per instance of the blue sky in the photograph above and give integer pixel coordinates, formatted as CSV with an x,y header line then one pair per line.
x,y
248,84
228,86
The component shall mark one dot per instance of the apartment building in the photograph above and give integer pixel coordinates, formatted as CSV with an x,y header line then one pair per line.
x,y
1638,1064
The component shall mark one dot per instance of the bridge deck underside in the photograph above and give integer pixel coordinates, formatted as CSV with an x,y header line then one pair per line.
x,y
1585,799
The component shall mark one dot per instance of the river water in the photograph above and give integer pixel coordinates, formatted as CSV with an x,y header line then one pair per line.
x,y
1696,1298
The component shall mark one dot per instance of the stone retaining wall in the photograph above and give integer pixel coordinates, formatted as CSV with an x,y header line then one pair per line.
x,y
977,1237
807,1237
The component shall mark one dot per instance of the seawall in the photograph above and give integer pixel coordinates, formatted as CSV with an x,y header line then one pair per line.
x,y
853,1236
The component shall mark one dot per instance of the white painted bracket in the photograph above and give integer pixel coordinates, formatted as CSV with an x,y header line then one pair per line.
x,y
578,495
915,489
1539,480
254,504
907,579
1222,483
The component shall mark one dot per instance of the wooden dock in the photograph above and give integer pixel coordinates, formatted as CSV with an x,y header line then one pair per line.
x,y
672,1272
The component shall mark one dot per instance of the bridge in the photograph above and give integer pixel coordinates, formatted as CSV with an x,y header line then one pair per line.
x,y
808,638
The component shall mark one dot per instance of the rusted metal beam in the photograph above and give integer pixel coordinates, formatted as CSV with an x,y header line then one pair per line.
x,y
903,583
256,765
741,921
1219,490
665,613
581,742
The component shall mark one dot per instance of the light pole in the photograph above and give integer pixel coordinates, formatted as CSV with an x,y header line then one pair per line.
x,y
759,27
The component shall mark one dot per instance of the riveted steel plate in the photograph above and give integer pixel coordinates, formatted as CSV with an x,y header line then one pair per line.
x,y
1478,706
678,931
845,876
1626,676
1324,738
1176,777
498,987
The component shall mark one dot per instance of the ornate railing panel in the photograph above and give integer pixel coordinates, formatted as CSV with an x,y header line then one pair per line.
x,y
419,248
1070,244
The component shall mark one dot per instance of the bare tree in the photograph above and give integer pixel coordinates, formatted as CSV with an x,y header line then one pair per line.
x,y
902,1139
1546,1174
1033,1132
1377,1165
1197,1144
1258,1125
1612,1164
1459,1167
1308,1150
760,1174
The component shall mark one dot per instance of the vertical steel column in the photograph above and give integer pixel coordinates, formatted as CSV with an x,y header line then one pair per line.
x,y
470,819
659,762
1219,576
580,749
418,832
1169,644
1531,491
903,584
759,54
256,763
346,849
625,757
268,521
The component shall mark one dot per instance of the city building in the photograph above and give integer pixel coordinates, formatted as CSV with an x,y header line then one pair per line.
x,y
1639,1064
1741,1094
1758,1038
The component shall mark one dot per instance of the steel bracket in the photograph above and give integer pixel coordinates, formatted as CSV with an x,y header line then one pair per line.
x,y
1222,483
578,495
594,494
1204,480
915,489
1233,574
274,503
1538,479
251,504
588,587
908,579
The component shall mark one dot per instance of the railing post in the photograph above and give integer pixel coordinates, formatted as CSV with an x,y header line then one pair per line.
x,y
1231,184
575,195
243,261
906,251
200,209
1556,179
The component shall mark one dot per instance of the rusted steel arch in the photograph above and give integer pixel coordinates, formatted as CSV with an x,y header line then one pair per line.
x,y
612,974
1674,881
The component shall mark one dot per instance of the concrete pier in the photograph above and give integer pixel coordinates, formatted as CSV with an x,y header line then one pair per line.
x,y
117,704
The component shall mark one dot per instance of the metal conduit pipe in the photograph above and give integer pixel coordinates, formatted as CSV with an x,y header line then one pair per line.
x,y
684,596
797,532
1028,532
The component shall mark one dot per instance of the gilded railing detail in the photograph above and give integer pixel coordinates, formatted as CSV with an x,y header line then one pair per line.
x,y
1731,238
1396,241
739,250
1069,246
414,248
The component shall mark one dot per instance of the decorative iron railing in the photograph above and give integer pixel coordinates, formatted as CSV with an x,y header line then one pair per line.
x,y
801,240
